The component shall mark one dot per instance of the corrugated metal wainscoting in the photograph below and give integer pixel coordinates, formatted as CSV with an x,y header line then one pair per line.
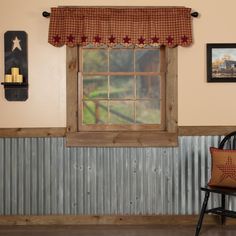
x,y
41,176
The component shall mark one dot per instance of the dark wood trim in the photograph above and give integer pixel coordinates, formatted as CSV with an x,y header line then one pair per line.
x,y
110,220
32,132
61,131
205,130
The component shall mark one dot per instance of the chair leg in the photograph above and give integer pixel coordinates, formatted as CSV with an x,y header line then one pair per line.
x,y
204,206
223,207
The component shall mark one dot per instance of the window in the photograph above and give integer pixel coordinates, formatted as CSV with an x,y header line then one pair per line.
x,y
121,96
121,89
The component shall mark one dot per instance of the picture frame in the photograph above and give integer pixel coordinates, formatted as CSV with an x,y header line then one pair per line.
x,y
221,62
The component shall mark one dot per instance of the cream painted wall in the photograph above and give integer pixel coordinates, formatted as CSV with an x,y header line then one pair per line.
x,y
199,103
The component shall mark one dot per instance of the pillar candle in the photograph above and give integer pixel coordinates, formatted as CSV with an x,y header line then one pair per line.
x,y
8,78
19,79
15,71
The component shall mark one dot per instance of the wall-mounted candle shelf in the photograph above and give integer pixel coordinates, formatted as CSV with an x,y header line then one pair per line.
x,y
16,66
16,91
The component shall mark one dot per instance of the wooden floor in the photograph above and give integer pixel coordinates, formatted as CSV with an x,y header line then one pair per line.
x,y
115,230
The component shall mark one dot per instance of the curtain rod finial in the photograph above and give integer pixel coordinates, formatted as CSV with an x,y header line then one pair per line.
x,y
195,14
46,14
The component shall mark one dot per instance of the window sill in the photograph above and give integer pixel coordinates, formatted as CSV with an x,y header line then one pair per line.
x,y
122,139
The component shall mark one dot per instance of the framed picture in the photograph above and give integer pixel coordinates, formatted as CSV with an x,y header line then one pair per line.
x,y
221,62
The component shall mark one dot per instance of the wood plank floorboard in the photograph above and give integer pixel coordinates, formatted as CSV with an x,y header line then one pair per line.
x,y
157,230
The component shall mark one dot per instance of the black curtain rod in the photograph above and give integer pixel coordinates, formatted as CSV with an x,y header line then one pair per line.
x,y
47,14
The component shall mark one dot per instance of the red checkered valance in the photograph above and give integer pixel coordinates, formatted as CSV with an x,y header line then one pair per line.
x,y
170,26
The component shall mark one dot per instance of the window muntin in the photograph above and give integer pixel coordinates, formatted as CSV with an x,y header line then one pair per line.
x,y
121,89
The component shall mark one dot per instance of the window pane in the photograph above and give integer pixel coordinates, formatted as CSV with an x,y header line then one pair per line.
x,y
147,60
148,112
115,97
121,87
121,112
121,60
95,112
148,87
95,87
95,60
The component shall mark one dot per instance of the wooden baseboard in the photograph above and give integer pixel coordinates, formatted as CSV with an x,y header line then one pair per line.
x,y
109,220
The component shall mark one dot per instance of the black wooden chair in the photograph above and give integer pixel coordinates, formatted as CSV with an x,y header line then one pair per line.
x,y
228,142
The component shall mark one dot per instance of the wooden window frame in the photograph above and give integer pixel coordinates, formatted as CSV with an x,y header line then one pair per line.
x,y
153,138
